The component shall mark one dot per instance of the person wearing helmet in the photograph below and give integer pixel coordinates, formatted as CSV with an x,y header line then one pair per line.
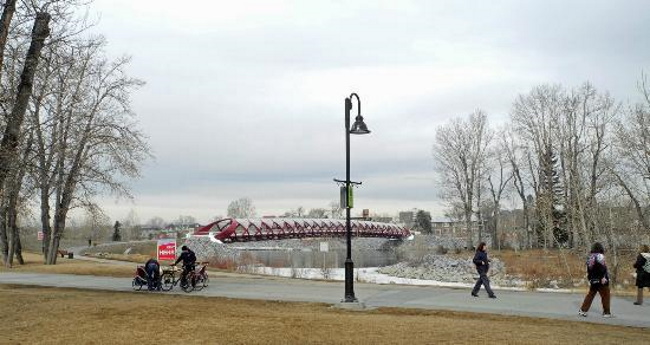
x,y
189,261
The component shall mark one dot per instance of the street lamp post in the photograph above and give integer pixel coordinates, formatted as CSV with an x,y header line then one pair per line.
x,y
359,127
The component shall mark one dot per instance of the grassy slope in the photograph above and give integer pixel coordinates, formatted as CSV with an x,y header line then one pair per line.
x,y
58,316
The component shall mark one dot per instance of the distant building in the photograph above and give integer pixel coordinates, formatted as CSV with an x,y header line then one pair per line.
x,y
457,229
407,218
149,232
382,219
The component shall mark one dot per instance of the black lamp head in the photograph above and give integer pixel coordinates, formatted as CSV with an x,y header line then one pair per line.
x,y
359,127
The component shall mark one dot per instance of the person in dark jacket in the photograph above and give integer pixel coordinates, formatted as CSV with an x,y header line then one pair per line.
x,y
482,264
642,277
598,281
189,261
152,267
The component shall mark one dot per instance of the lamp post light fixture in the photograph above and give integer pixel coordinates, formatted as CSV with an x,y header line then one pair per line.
x,y
359,127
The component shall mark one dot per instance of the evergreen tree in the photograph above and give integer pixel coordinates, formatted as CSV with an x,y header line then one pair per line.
x,y
116,232
551,226
423,221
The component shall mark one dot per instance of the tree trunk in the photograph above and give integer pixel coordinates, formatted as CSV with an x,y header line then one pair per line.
x,y
14,185
18,253
5,22
64,199
497,223
9,144
12,229
4,241
57,231
468,226
529,243
45,222
10,252
479,215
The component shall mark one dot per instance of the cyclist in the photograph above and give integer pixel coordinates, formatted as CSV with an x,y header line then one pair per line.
x,y
189,261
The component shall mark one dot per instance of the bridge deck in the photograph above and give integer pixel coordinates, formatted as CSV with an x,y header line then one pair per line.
x,y
234,230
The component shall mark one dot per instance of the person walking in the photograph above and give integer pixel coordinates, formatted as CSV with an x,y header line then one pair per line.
x,y
598,281
642,266
482,264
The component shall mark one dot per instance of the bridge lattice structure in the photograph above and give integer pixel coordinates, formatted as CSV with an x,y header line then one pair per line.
x,y
240,230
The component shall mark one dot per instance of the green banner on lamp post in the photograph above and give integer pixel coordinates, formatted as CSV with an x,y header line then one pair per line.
x,y
347,197
350,197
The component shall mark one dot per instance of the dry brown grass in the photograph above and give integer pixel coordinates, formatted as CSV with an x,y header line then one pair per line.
x,y
538,267
147,248
34,263
67,316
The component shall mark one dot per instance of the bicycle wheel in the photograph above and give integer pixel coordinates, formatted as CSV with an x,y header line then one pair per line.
x,y
198,286
206,279
168,281
189,284
136,284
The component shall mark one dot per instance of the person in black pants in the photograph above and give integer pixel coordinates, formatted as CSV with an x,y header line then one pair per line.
x,y
189,261
482,264
642,277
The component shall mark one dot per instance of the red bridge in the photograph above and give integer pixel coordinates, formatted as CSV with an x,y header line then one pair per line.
x,y
234,230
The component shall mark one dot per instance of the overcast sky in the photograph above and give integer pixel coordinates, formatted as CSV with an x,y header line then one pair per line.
x,y
245,98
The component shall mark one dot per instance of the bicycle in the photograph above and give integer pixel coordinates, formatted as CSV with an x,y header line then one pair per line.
x,y
170,279
141,279
197,278
200,277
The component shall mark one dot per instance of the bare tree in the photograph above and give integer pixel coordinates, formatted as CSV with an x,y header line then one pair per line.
x,y
536,117
632,168
87,139
498,179
516,153
241,208
10,205
459,152
335,209
80,123
317,213
10,138
97,224
131,226
585,137
184,222
5,22
11,172
157,222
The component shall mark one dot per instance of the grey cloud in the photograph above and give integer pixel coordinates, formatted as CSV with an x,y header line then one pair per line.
x,y
253,106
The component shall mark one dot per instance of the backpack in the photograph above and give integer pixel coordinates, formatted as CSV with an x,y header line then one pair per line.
x,y
646,267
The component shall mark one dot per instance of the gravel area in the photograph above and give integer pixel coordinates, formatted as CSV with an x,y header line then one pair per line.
x,y
424,257
447,269
207,250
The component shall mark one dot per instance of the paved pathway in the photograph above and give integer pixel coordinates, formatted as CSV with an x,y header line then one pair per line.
x,y
547,305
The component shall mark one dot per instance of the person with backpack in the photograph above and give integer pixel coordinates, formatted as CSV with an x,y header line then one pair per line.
x,y
598,278
482,264
642,266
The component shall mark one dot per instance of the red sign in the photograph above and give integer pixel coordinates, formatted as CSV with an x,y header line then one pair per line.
x,y
167,249
40,235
